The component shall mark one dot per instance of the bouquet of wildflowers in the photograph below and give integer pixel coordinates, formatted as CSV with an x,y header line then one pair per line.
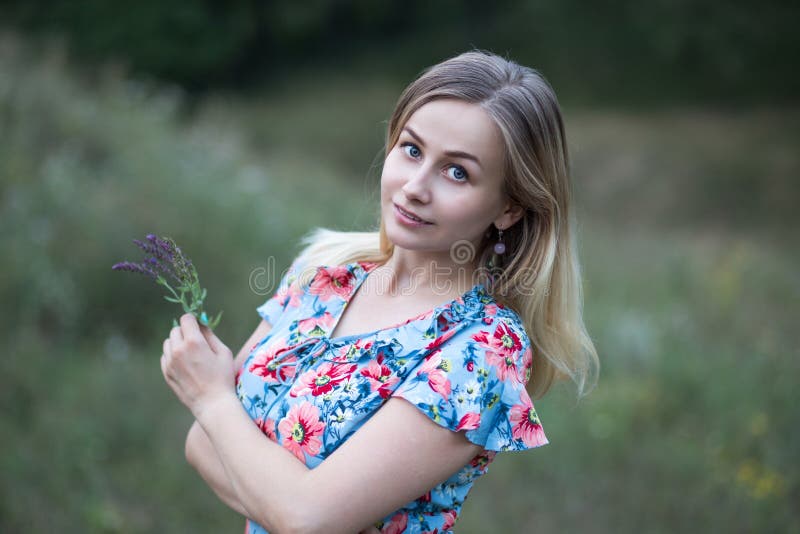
x,y
165,262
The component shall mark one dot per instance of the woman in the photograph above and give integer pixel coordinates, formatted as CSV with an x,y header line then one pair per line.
x,y
390,367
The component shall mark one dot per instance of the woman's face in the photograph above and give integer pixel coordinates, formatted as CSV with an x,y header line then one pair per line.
x,y
447,169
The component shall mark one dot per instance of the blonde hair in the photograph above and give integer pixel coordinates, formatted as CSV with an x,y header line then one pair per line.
x,y
540,278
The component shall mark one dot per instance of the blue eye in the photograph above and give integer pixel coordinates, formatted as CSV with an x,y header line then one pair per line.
x,y
460,175
413,147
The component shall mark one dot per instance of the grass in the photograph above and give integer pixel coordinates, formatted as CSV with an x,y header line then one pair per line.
x,y
691,285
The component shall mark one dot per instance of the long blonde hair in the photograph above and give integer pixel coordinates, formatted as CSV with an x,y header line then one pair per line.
x,y
540,277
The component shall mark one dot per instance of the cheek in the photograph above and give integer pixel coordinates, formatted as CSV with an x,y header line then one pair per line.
x,y
386,185
473,212
391,175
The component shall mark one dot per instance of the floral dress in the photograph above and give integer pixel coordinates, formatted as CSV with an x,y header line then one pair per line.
x,y
463,364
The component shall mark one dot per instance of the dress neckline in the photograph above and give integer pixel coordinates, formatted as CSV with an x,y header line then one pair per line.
x,y
360,270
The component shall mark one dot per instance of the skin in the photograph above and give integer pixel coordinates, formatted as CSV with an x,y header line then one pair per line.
x,y
399,453
461,197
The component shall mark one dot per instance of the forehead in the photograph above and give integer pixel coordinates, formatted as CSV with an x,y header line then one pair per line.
x,y
449,124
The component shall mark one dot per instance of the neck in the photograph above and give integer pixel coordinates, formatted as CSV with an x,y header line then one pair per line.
x,y
426,273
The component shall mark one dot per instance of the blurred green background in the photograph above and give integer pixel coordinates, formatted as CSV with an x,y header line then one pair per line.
x,y
236,127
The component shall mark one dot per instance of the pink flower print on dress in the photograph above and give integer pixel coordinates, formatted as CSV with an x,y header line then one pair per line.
x,y
397,524
491,311
315,326
436,370
289,296
450,517
442,324
526,423
267,426
502,350
332,281
525,366
265,363
321,380
470,421
238,376
301,430
439,341
380,377
352,350
482,460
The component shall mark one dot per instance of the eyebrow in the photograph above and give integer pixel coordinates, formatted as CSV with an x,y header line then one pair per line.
x,y
452,153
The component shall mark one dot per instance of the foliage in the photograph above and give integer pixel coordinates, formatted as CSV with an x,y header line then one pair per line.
x,y
691,296
86,164
629,52
166,259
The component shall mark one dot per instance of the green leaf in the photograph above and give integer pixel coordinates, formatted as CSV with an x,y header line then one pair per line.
x,y
213,323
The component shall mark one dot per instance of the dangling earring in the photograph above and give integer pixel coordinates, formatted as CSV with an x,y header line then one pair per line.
x,y
499,247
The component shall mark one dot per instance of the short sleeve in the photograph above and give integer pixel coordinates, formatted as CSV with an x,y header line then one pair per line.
x,y
473,380
287,294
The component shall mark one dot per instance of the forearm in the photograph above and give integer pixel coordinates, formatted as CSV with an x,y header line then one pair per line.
x,y
201,455
396,456
267,480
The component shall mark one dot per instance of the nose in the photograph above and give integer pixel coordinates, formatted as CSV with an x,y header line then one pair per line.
x,y
417,186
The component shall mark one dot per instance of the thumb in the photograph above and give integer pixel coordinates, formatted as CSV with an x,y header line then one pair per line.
x,y
212,340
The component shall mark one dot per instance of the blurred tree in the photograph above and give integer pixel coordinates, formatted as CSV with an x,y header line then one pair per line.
x,y
190,42
620,51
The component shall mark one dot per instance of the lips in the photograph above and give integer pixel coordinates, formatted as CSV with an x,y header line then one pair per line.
x,y
411,214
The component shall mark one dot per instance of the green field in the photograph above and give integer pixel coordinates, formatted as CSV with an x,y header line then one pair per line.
x,y
688,235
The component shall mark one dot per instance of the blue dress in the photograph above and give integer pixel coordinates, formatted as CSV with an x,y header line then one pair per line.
x,y
464,364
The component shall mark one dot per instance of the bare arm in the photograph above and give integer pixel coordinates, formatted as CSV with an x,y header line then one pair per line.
x,y
201,455
200,452
396,456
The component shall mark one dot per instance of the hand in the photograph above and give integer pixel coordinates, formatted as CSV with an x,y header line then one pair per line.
x,y
197,365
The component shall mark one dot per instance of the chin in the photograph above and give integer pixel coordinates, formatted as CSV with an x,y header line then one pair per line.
x,y
411,243
403,241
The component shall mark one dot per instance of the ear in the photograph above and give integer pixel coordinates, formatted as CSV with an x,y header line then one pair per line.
x,y
511,214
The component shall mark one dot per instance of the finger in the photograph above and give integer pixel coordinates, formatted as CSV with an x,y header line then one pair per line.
x,y
175,339
213,341
177,331
190,328
166,347
165,369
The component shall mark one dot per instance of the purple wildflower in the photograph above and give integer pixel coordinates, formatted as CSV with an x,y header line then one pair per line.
x,y
164,256
134,268
158,251
165,246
